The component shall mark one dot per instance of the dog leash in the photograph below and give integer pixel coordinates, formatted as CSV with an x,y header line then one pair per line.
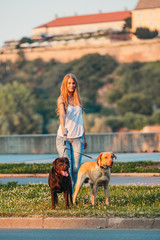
x,y
65,139
82,154
64,143
88,157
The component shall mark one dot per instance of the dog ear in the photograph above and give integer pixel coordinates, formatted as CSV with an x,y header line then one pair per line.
x,y
68,164
54,163
114,156
67,161
99,157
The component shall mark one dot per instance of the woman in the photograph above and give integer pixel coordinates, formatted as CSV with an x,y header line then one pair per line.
x,y
71,129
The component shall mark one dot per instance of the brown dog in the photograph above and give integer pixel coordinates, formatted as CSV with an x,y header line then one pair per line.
x,y
60,181
98,174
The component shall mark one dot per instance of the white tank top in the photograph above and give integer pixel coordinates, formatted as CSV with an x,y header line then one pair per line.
x,y
73,123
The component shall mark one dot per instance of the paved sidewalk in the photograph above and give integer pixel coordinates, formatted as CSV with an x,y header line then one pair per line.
x,y
80,223
43,175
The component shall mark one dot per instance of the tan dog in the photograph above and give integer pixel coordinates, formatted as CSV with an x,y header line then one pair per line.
x,y
98,174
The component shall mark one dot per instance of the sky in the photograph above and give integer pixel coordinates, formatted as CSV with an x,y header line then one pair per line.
x,y
19,17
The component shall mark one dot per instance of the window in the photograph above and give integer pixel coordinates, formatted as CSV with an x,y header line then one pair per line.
x,y
139,15
151,24
151,14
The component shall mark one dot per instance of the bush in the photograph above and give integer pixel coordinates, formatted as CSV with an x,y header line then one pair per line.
x,y
146,33
135,121
113,95
52,126
115,122
136,102
91,107
156,116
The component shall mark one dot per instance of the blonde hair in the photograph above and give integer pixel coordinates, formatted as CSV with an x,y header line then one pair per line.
x,y
64,92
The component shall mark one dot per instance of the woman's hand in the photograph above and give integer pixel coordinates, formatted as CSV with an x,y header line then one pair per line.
x,y
85,144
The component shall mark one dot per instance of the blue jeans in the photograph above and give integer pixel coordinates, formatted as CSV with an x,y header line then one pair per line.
x,y
72,151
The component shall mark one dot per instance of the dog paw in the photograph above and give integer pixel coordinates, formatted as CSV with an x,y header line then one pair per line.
x,y
74,203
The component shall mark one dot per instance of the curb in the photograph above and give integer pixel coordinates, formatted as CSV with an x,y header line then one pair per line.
x,y
135,174
25,175
80,223
45,175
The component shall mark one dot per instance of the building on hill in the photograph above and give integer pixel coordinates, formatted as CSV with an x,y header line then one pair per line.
x,y
83,24
10,44
146,14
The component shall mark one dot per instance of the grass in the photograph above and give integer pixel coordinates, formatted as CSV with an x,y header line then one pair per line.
x,y
118,167
25,168
34,200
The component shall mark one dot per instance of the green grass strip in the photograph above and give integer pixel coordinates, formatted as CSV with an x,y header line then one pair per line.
x,y
34,200
118,167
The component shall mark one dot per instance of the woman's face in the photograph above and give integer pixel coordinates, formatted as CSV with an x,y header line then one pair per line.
x,y
71,85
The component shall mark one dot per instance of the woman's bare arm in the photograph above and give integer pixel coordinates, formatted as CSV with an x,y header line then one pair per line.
x,y
62,114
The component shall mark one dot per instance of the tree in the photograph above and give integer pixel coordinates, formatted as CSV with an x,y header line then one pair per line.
x,y
24,40
17,110
140,78
128,24
145,33
90,71
93,65
20,61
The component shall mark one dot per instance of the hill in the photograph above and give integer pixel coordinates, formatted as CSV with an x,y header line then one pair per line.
x,y
114,95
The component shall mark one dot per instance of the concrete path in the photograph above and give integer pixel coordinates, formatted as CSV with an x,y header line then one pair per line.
x,y
80,223
43,175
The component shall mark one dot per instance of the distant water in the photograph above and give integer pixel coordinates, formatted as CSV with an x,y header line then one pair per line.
x,y
48,158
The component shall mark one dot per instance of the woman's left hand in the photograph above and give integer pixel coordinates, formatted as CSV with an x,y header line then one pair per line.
x,y
85,144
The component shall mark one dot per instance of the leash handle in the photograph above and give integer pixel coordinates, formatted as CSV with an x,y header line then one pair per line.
x,y
65,137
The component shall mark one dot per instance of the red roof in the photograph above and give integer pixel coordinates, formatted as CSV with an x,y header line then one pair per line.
x,y
146,4
88,19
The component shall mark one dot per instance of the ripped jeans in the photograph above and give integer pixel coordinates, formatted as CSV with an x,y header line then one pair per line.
x,y
74,147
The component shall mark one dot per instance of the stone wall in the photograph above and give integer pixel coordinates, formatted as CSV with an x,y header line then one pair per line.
x,y
116,142
126,51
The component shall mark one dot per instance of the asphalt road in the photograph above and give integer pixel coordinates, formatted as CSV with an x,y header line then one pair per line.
x,y
79,234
